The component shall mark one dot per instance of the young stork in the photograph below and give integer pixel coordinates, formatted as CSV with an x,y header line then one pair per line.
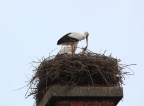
x,y
72,39
66,50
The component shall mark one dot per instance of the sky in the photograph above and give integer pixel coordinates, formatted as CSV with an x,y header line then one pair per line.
x,y
29,30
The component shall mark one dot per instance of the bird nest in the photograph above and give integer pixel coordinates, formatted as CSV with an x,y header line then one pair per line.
x,y
90,69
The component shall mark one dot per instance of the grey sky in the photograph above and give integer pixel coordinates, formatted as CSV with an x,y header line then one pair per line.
x,y
31,28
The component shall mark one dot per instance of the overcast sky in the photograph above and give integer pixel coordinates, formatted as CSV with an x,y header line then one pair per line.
x,y
29,29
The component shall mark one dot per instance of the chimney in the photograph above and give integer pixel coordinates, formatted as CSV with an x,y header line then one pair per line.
x,y
82,96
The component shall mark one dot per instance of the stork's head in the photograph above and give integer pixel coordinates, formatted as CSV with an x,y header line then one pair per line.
x,y
86,35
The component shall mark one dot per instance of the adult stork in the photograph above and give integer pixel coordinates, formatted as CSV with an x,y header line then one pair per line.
x,y
72,39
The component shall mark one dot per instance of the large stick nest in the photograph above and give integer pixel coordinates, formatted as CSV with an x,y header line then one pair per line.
x,y
90,69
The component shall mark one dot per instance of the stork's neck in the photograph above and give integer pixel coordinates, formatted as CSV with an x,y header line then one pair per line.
x,y
85,35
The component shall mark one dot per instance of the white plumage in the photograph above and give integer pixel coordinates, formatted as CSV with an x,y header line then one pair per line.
x,y
66,50
72,39
78,36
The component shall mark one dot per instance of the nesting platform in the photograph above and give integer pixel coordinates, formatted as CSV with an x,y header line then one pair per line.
x,y
80,70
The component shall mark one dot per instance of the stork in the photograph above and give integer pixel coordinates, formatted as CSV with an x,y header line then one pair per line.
x,y
66,50
72,39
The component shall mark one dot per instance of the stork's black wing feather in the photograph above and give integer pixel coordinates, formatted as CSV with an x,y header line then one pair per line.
x,y
66,38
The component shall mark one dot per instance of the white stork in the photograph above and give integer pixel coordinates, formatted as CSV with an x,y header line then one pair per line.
x,y
66,50
72,39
